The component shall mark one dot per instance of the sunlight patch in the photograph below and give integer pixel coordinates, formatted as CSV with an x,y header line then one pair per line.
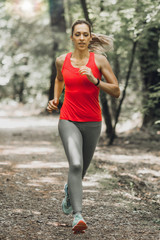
x,y
9,123
149,171
125,195
90,184
55,173
89,202
90,191
33,184
26,150
50,180
5,163
39,164
18,210
130,196
119,158
93,180
57,224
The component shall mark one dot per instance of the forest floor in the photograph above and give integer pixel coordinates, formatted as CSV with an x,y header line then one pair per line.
x,y
121,199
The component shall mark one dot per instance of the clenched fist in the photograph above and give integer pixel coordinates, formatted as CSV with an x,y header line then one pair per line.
x,y
52,105
88,72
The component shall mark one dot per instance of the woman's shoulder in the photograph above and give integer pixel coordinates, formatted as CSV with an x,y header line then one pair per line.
x,y
99,57
60,60
100,60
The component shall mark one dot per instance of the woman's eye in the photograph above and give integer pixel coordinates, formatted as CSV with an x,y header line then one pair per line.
x,y
78,34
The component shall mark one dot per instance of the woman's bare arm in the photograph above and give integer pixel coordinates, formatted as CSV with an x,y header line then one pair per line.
x,y
59,85
111,85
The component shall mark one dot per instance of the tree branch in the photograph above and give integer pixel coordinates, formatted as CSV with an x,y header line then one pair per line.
x,y
124,91
85,11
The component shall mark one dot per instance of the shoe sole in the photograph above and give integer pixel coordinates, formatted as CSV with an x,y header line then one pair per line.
x,y
80,227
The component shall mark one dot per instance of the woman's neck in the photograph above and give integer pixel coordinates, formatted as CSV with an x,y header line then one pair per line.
x,y
80,54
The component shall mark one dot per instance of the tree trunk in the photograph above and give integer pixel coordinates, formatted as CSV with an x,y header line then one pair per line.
x,y
106,114
58,25
85,11
101,6
116,70
149,60
21,90
53,73
124,92
57,15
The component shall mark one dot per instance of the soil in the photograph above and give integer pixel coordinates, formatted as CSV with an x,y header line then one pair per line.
x,y
121,199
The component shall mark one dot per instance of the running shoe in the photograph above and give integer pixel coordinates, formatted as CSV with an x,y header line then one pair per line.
x,y
66,204
79,225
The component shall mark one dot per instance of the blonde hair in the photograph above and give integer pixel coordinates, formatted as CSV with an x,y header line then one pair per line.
x,y
100,43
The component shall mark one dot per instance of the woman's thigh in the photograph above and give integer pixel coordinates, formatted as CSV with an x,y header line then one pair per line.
x,y
72,141
91,134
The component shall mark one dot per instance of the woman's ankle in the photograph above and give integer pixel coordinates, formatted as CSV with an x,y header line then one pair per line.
x,y
77,213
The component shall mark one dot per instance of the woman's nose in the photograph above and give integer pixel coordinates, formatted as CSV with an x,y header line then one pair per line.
x,y
82,37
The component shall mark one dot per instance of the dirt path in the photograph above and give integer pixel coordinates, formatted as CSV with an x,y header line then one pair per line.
x,y
121,190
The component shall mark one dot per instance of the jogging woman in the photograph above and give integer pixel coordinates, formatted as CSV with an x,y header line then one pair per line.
x,y
80,116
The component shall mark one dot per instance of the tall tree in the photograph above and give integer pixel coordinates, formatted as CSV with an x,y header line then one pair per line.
x,y
148,55
85,10
149,62
58,25
112,137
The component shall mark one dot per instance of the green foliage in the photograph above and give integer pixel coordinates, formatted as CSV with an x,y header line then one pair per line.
x,y
26,52
153,98
26,46
129,21
157,122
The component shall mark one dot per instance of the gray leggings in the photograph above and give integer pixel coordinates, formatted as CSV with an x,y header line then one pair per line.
x,y
79,140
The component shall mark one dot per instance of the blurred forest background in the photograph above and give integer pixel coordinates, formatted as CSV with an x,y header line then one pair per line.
x,y
34,32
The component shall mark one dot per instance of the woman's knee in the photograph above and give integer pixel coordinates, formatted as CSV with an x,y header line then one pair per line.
x,y
76,168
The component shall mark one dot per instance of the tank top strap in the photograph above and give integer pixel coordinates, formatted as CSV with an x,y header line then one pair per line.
x,y
91,56
66,60
91,59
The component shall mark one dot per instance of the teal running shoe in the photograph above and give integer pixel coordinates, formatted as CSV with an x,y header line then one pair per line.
x,y
66,204
79,225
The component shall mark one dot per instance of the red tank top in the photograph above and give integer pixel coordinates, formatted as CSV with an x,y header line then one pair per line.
x,y
81,99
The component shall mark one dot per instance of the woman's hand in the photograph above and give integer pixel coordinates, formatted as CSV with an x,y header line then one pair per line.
x,y
88,72
52,105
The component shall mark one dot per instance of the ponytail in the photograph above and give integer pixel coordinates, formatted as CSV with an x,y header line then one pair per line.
x,y
100,43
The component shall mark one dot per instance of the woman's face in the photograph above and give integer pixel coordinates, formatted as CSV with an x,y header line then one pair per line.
x,y
81,36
